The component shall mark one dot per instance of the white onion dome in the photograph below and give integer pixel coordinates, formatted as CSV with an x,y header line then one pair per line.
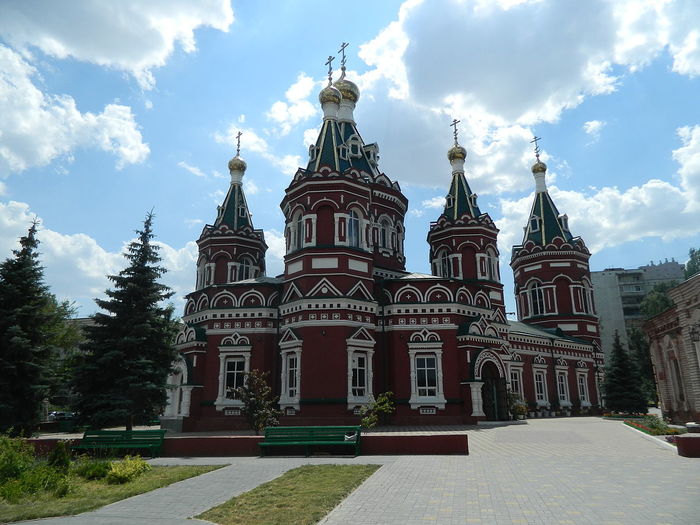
x,y
348,90
539,167
329,94
237,164
456,152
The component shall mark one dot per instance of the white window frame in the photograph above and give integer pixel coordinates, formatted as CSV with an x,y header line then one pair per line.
x,y
536,289
354,236
416,349
542,399
290,349
354,399
227,353
516,372
563,387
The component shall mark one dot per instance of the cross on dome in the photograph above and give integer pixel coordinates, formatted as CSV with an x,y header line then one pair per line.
x,y
238,144
454,125
343,59
329,63
537,147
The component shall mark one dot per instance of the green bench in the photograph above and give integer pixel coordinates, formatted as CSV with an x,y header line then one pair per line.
x,y
308,436
151,440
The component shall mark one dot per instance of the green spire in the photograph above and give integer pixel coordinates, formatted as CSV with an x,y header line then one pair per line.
x,y
545,223
234,211
460,199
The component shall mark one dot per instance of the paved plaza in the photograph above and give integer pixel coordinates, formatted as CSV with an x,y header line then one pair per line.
x,y
576,470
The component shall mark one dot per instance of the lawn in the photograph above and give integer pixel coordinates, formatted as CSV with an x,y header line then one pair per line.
x,y
88,495
301,496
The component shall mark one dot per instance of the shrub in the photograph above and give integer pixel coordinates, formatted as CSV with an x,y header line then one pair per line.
x,y
60,457
41,478
16,456
382,406
126,470
12,491
90,469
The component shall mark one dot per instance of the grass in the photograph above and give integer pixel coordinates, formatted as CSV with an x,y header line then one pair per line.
x,y
301,496
89,495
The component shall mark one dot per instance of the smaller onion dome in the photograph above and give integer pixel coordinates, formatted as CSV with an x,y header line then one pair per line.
x,y
237,164
539,167
329,94
456,152
348,90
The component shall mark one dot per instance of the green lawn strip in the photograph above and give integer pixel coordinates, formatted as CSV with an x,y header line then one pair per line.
x,y
89,495
301,496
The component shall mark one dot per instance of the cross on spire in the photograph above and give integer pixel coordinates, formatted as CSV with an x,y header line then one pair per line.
x,y
454,125
537,147
343,59
329,63
238,144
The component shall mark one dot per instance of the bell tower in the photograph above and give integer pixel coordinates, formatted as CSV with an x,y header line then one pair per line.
x,y
552,279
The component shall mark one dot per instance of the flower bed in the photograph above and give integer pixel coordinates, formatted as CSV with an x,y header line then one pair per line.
x,y
654,427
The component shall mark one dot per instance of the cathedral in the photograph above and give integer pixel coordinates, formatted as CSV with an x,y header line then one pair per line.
x,y
346,321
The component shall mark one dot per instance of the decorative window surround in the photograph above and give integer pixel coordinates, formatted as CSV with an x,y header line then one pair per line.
x,y
582,385
290,348
361,344
431,349
540,378
240,349
563,387
516,379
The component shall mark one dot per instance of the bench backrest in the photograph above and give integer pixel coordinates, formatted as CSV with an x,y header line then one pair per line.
x,y
340,434
123,436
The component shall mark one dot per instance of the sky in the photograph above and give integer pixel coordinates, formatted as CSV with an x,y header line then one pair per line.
x,y
111,109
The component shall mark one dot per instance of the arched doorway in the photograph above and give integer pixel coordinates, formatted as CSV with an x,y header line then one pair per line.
x,y
493,393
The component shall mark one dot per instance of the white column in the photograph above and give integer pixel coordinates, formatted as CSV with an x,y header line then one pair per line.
x,y
477,400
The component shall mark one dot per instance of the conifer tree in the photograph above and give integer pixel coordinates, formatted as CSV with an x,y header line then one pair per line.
x,y
622,387
23,349
128,354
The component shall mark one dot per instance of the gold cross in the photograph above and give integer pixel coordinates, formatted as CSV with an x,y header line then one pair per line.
x,y
238,144
330,69
537,147
342,50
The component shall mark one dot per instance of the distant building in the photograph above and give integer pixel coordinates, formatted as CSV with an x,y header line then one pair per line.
x,y
674,337
619,292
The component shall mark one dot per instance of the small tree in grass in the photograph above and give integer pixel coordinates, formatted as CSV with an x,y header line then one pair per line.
x,y
259,405
623,391
383,405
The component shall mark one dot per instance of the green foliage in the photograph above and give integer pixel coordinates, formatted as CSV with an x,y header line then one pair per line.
x,y
122,376
640,352
622,386
382,406
59,458
693,265
656,424
657,300
90,469
126,470
16,456
23,316
259,405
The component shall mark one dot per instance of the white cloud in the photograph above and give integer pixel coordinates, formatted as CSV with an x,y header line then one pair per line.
x,y
610,216
76,266
296,108
250,187
37,128
129,35
593,128
253,142
310,136
193,222
148,104
434,203
276,249
194,170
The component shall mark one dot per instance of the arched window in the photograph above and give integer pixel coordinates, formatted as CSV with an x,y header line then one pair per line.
x,y
536,299
384,233
246,269
445,264
298,231
353,229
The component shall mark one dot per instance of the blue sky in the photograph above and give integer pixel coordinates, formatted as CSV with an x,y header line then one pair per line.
x,y
110,109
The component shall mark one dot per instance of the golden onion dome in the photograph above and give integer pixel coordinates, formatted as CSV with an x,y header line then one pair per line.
x,y
348,89
539,167
329,94
456,152
237,164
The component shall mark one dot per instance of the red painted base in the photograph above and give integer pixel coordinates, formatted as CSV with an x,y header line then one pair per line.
x,y
689,445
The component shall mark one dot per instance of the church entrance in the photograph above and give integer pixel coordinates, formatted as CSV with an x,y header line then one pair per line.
x,y
493,393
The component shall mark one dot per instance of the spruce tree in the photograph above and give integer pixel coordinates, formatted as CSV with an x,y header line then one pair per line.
x,y
622,386
128,354
23,349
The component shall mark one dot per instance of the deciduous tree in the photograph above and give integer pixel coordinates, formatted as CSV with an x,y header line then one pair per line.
x,y
693,265
259,405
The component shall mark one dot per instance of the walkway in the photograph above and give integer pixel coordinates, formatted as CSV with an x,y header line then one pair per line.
x,y
578,470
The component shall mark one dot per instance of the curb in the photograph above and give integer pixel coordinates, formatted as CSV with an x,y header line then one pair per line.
x,y
653,439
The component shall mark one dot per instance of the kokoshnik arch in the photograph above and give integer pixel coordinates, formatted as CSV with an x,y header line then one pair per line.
x,y
346,320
